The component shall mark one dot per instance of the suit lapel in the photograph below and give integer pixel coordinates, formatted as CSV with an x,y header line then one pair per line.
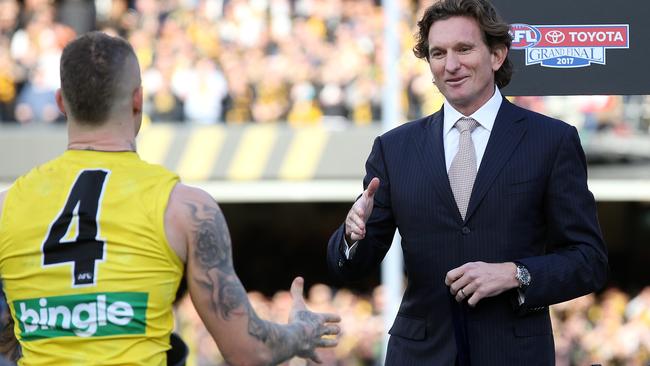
x,y
430,147
506,134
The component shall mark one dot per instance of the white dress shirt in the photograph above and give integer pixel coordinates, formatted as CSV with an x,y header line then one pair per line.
x,y
485,116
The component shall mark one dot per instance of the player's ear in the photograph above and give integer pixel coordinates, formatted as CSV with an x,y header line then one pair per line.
x,y
137,101
59,101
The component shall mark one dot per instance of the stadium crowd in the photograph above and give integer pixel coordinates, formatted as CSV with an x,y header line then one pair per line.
x,y
211,61
610,328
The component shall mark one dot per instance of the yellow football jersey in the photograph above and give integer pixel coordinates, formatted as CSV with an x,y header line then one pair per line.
x,y
88,273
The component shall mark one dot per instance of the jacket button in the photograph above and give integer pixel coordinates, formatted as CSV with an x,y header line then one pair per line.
x,y
465,230
340,262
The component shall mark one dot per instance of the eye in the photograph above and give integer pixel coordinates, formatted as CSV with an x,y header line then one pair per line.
x,y
464,49
436,54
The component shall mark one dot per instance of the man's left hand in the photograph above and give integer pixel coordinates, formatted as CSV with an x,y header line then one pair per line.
x,y
477,280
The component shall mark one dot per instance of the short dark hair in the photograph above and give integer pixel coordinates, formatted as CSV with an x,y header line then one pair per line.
x,y
92,66
495,31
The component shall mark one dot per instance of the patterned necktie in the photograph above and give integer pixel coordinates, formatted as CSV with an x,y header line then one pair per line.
x,y
462,171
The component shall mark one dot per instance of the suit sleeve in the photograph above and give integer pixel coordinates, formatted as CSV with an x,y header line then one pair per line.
x,y
380,227
578,263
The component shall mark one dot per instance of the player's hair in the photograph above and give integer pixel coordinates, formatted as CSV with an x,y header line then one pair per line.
x,y
92,68
495,31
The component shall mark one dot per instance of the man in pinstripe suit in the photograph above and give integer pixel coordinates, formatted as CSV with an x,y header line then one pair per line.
x,y
492,204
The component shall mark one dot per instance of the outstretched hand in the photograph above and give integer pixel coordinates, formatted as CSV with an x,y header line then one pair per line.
x,y
355,222
315,325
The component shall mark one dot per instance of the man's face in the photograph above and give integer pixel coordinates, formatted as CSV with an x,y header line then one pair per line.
x,y
461,63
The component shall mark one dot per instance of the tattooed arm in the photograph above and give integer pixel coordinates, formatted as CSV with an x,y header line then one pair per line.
x,y
198,232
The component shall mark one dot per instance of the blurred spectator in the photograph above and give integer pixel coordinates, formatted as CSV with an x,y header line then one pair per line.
x,y
36,101
239,99
202,88
271,102
115,14
9,11
163,105
304,108
78,14
8,85
364,101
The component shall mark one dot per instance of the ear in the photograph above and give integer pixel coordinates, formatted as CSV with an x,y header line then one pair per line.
x,y
59,101
137,101
499,53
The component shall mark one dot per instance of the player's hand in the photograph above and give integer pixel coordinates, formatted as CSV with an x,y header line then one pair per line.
x,y
315,325
355,222
477,280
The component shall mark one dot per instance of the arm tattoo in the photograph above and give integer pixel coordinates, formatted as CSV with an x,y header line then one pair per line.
x,y
214,255
213,247
213,252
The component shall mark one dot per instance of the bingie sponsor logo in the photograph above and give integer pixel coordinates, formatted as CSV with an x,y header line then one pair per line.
x,y
567,46
85,315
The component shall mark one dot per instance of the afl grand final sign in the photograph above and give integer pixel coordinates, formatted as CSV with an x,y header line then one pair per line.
x,y
578,47
567,46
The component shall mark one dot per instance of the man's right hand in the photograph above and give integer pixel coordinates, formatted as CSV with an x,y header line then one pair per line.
x,y
315,325
355,222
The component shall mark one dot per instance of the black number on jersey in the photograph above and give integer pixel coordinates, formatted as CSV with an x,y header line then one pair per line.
x,y
73,234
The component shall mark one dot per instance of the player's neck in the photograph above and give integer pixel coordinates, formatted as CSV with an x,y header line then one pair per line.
x,y
102,138
102,147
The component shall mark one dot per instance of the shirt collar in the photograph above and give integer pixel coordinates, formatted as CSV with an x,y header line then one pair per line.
x,y
485,116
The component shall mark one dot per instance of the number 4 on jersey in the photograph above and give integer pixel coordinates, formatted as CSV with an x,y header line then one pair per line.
x,y
73,235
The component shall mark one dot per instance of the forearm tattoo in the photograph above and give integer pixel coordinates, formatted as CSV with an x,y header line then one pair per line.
x,y
213,253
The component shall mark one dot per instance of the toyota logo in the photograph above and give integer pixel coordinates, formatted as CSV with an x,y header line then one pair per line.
x,y
554,37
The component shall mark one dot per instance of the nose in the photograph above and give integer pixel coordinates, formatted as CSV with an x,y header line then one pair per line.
x,y
452,63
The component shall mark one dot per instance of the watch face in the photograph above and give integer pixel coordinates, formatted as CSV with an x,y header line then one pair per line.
x,y
523,276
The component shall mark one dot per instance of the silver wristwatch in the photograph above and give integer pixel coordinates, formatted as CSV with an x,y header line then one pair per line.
x,y
522,276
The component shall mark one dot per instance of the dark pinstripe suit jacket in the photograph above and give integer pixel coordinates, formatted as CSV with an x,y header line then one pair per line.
x,y
530,204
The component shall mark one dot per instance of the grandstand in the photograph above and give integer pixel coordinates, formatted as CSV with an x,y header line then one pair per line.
x,y
272,107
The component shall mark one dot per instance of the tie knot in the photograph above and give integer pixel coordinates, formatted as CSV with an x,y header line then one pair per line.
x,y
466,124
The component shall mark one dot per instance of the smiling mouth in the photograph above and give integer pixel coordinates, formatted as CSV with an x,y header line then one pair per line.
x,y
455,81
